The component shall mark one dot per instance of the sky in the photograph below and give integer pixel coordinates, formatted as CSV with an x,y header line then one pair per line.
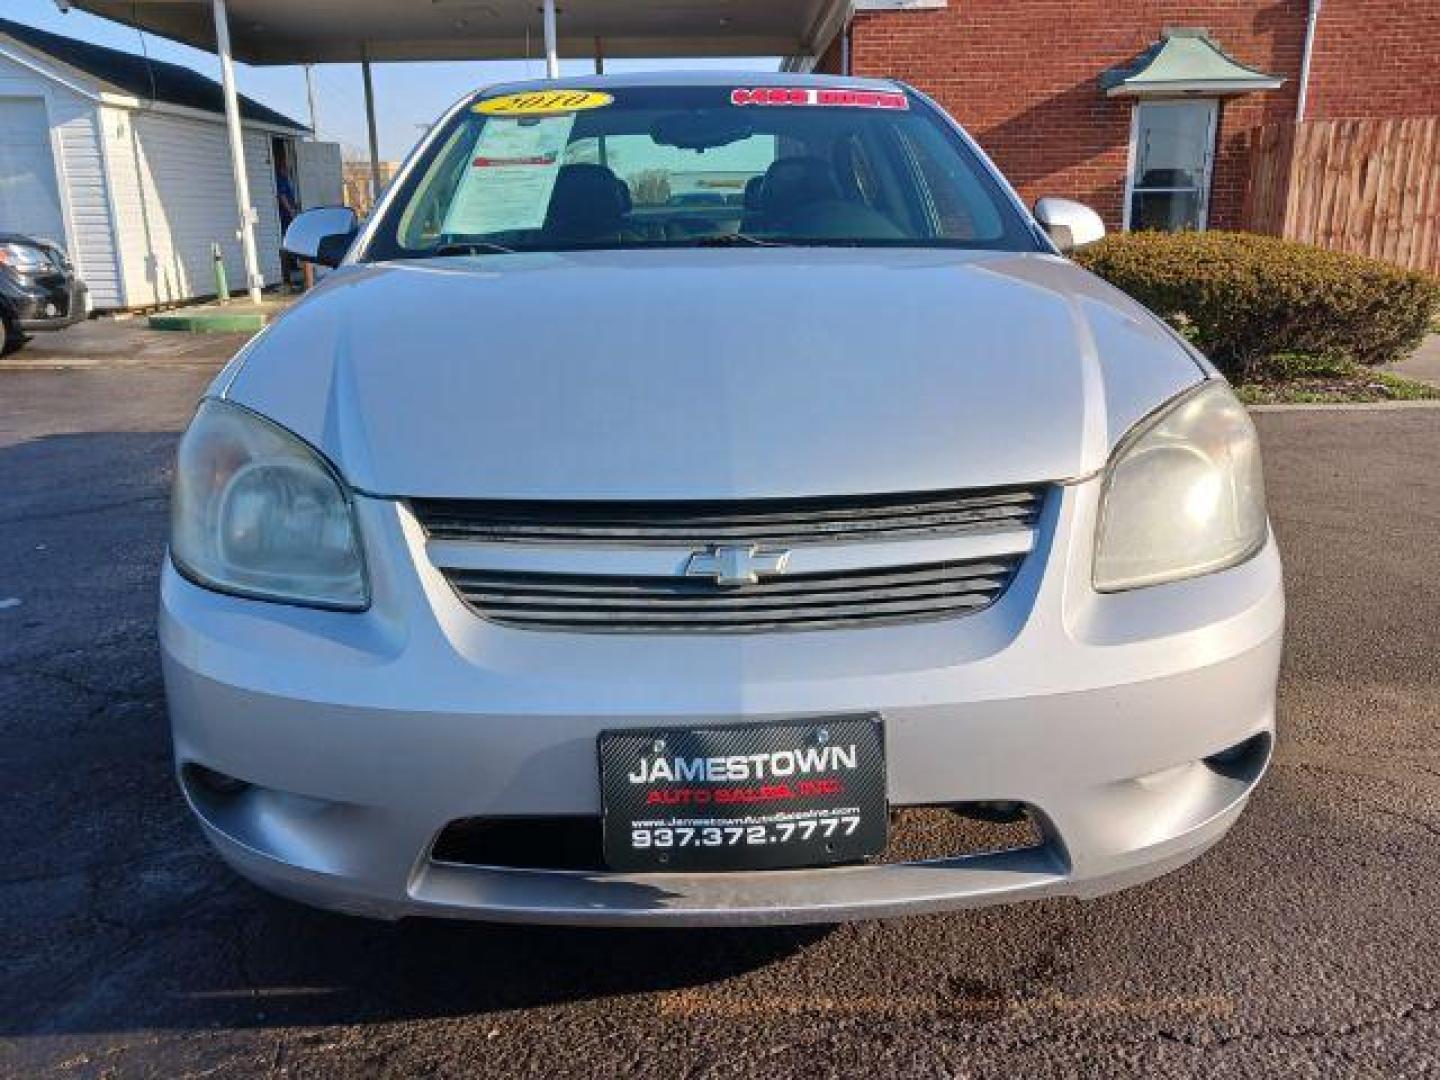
x,y
408,97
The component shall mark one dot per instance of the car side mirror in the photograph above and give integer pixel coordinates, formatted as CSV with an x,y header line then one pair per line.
x,y
1069,224
322,235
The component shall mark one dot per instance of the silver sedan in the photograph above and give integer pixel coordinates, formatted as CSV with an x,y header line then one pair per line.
x,y
696,500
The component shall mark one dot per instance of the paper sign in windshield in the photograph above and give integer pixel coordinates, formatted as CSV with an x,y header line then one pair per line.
x,y
543,103
812,95
512,172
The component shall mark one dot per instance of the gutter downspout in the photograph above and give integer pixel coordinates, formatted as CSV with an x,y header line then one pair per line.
x,y
1312,20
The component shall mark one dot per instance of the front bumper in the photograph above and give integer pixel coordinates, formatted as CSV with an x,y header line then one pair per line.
x,y
363,736
52,302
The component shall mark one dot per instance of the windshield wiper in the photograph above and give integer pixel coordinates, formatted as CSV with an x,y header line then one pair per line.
x,y
471,247
738,239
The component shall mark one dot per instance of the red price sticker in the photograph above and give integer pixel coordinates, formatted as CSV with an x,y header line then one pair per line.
x,y
802,96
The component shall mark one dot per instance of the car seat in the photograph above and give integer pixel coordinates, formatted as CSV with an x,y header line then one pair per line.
x,y
793,183
589,202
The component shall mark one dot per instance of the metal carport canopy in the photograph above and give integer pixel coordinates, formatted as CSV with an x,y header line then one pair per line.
x,y
349,31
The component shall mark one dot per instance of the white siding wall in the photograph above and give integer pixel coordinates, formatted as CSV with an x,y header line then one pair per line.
x,y
74,133
174,197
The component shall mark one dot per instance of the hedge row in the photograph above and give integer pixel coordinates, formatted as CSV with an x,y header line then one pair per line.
x,y
1242,298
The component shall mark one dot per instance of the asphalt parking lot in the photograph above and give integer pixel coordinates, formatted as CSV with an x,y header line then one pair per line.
x,y
1308,943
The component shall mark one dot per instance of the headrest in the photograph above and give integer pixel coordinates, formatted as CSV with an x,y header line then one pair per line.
x,y
588,200
797,181
753,188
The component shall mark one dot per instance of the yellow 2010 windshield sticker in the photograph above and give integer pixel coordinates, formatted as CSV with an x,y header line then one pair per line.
x,y
543,103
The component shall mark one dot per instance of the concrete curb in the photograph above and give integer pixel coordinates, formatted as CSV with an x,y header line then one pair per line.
x,y
211,322
7,367
1346,406
236,317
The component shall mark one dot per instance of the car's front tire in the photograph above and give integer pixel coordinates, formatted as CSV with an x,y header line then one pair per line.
x,y
13,338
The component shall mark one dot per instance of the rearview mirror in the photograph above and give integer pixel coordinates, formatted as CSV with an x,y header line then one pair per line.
x,y
1069,224
701,130
322,235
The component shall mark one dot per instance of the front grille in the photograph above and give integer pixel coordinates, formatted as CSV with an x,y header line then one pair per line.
x,y
761,521
917,834
618,604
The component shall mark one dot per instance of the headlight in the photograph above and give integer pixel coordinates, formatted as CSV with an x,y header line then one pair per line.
x,y
23,257
1183,495
257,513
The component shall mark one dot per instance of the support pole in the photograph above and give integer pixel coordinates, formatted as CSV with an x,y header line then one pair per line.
x,y
599,56
552,53
374,136
310,93
237,152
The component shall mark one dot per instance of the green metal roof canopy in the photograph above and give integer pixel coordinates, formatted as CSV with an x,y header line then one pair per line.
x,y
1185,62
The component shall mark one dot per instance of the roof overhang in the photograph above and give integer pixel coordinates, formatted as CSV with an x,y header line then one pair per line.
x,y
96,87
1185,62
77,82
118,99
346,31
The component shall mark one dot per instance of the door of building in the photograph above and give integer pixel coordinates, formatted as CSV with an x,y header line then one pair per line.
x,y
319,174
29,192
1171,152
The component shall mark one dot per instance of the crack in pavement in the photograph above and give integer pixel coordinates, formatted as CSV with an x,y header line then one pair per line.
x,y
1429,826
1341,1031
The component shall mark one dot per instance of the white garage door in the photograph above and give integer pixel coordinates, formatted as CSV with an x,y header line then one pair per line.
x,y
29,194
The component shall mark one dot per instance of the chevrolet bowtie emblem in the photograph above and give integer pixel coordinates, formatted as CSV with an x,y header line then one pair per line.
x,y
733,566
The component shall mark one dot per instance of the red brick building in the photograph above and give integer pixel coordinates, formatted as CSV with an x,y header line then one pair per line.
x,y
1029,79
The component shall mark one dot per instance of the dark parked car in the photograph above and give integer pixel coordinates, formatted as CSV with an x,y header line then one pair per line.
x,y
39,289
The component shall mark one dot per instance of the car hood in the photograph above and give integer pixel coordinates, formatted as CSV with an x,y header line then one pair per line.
x,y
706,373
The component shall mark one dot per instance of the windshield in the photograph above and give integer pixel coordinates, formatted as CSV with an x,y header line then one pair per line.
x,y
567,169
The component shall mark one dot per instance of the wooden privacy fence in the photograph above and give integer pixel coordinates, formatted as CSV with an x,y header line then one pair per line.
x,y
1367,186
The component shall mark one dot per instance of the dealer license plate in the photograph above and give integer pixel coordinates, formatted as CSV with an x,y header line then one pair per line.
x,y
749,797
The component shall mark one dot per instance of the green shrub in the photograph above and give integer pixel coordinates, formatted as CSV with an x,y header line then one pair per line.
x,y
1244,298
